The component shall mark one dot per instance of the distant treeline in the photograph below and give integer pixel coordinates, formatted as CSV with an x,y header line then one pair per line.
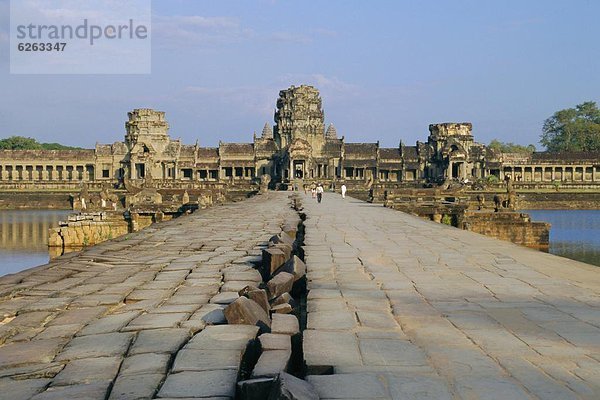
x,y
26,143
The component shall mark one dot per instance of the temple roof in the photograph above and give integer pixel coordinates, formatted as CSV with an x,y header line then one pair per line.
x,y
208,152
389,153
84,155
561,156
267,132
361,149
410,153
331,132
236,148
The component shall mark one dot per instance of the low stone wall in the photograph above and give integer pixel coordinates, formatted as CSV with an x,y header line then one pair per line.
x,y
88,229
510,226
35,200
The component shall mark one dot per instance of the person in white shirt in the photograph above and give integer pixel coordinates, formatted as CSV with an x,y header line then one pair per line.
x,y
320,193
343,191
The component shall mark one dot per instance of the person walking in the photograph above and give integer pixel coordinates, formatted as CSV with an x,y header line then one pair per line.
x,y
343,191
319,193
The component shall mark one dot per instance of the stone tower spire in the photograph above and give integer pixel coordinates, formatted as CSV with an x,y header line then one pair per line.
x,y
299,115
331,132
267,132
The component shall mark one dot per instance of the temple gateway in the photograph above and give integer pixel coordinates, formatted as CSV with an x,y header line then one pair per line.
x,y
296,149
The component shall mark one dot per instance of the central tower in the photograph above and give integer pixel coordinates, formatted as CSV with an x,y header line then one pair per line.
x,y
299,115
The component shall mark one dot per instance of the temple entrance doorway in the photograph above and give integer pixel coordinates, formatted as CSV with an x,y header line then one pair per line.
x,y
299,169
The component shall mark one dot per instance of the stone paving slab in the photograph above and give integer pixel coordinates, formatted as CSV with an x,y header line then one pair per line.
x,y
442,313
107,322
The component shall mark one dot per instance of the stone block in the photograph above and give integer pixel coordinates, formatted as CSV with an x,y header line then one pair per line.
x,y
349,386
273,258
286,248
88,370
194,384
246,312
294,266
271,341
109,323
288,387
155,321
212,314
223,337
103,345
261,298
224,298
159,341
290,229
285,298
147,363
282,309
255,389
25,389
280,284
285,324
85,391
207,359
271,363
37,351
135,387
326,349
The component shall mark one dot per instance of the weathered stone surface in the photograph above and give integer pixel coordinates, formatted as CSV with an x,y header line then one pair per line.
x,y
159,341
260,297
280,284
109,323
246,312
37,351
155,321
223,337
87,370
271,363
84,391
330,348
22,390
225,298
147,363
212,314
348,386
285,298
136,387
285,324
207,359
255,389
282,309
286,248
288,387
273,258
294,266
103,345
270,341
219,383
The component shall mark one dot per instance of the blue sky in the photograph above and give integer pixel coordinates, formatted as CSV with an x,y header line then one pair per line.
x,y
385,69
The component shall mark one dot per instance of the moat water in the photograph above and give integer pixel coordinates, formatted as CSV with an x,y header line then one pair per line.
x,y
574,234
24,237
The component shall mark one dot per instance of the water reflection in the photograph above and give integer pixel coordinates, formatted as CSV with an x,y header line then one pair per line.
x,y
574,234
24,237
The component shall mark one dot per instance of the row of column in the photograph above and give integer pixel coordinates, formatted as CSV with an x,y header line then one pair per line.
x,y
12,172
552,173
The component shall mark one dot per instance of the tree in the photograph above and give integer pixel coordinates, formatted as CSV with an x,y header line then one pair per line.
x,y
511,147
19,143
573,129
25,143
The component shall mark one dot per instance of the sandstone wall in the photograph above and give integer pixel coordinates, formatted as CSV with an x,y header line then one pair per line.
x,y
510,226
88,230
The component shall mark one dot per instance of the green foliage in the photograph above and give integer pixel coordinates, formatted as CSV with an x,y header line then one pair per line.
x,y
511,147
25,143
491,179
447,219
573,129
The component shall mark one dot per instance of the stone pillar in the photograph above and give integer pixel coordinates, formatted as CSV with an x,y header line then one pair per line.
x,y
45,175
